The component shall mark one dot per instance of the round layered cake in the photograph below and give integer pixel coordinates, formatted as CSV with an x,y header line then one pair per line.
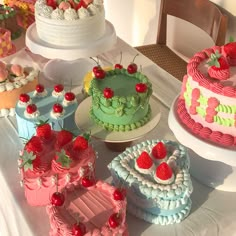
x,y
120,100
69,23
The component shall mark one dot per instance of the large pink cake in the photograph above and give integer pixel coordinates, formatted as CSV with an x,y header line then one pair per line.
x,y
92,211
207,104
52,160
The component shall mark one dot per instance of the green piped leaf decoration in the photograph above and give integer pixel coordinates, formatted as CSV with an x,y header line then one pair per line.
x,y
134,101
63,158
108,103
214,59
122,100
27,160
120,111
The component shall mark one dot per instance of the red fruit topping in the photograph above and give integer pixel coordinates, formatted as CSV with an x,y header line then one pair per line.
x,y
96,68
230,49
57,199
119,194
144,161
118,66
44,130
132,68
57,108
218,62
34,145
108,93
31,108
81,4
100,74
52,3
141,87
63,137
69,96
58,88
39,88
78,229
114,220
24,97
164,171
80,143
159,150
87,182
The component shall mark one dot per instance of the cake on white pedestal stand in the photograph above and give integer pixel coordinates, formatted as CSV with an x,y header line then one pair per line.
x,y
211,165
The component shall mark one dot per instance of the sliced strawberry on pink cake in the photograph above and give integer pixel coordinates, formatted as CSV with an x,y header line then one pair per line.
x,y
44,130
164,174
218,67
229,51
144,163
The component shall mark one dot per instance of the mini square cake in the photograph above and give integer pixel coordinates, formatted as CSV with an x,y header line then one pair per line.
x,y
52,160
87,211
156,176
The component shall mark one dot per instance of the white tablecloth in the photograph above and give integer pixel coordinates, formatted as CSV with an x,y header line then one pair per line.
x,y
213,212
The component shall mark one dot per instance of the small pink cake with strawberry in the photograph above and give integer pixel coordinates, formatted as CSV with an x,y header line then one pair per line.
x,y
70,23
207,104
85,211
56,105
155,174
52,160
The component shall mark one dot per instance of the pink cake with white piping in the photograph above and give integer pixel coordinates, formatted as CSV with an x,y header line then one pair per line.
x,y
91,211
207,104
52,160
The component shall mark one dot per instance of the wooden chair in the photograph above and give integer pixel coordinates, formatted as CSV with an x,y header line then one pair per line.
x,y
202,13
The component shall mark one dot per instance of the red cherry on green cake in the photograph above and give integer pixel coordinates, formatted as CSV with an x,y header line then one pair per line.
x,y
31,108
39,88
69,96
78,229
108,93
58,88
141,87
132,68
118,66
57,199
114,220
24,97
57,108
96,68
119,194
87,182
100,74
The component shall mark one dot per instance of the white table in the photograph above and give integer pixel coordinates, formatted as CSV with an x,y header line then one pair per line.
x,y
213,212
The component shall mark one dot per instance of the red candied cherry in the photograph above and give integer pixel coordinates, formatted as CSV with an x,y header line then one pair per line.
x,y
108,93
52,3
78,229
114,220
69,96
57,108
58,88
96,68
132,67
118,65
119,194
39,88
100,74
87,182
31,108
57,199
24,97
141,87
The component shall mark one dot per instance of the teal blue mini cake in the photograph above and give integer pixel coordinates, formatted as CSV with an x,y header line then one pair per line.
x,y
156,176
55,106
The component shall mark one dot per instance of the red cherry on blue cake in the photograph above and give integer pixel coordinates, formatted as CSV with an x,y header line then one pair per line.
x,y
57,199
57,108
114,220
78,229
58,88
119,194
24,97
69,96
100,74
87,182
31,108
141,87
108,93
39,88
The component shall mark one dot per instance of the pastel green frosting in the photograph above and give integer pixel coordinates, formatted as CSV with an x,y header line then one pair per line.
x,y
127,109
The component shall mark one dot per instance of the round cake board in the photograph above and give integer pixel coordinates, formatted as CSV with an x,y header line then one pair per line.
x,y
212,165
85,123
50,51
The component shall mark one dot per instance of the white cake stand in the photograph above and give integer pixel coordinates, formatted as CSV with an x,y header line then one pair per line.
x,y
83,121
38,46
212,165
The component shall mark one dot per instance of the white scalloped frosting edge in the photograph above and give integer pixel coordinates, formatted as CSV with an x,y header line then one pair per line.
x,y
4,112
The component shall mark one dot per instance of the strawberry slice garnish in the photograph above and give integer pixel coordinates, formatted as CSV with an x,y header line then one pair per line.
x,y
230,49
44,130
144,161
163,171
159,150
34,145
81,142
63,137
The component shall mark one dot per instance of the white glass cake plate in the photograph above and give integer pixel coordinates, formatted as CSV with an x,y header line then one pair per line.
x,y
83,122
211,165
38,46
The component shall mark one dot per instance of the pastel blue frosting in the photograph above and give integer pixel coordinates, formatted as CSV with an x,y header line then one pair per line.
x,y
26,126
147,199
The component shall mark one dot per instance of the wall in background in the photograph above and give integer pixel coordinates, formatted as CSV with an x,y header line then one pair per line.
x,y
136,23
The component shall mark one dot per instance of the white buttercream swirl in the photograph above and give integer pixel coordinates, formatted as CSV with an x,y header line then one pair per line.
x,y
46,11
67,103
56,94
83,13
93,9
56,115
33,115
58,14
43,94
70,14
